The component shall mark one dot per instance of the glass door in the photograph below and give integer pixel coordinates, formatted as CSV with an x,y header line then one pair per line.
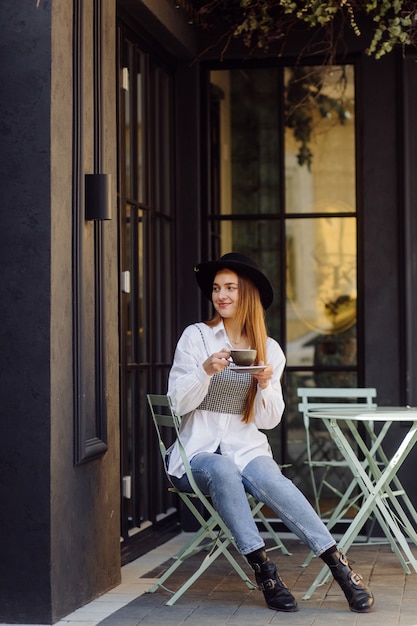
x,y
283,191
321,250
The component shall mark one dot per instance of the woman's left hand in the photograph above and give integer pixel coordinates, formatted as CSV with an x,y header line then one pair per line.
x,y
265,376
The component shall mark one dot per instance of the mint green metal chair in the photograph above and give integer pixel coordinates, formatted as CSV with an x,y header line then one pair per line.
x,y
213,538
322,453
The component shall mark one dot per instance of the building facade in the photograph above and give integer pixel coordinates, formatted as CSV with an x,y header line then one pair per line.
x,y
129,153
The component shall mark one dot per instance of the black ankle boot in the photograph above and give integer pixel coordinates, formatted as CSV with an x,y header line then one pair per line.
x,y
276,593
358,595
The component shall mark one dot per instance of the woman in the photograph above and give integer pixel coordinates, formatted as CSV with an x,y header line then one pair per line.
x,y
223,411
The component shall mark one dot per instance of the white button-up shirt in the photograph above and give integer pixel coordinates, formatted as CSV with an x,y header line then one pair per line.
x,y
205,431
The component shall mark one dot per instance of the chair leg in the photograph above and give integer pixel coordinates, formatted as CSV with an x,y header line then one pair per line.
x,y
192,547
220,541
207,561
279,544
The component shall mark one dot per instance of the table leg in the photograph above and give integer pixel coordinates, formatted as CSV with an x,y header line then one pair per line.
x,y
376,487
374,502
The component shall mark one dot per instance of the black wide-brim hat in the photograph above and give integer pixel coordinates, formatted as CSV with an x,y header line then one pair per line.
x,y
243,266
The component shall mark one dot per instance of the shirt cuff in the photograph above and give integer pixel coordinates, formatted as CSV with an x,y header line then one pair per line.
x,y
202,374
267,391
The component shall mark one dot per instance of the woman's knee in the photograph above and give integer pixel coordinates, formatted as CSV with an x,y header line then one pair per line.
x,y
216,467
263,472
262,467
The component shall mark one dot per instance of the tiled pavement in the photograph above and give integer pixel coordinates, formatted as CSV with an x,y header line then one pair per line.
x,y
219,597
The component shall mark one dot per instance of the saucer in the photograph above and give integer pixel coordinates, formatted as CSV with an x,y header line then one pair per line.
x,y
251,369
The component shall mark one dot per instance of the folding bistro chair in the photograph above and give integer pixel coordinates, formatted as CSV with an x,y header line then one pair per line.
x,y
321,451
322,454
213,537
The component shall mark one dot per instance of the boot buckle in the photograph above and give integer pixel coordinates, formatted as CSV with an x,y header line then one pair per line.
x,y
356,578
267,585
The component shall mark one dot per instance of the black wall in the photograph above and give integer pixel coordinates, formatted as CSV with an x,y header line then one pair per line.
x,y
25,308
59,520
388,213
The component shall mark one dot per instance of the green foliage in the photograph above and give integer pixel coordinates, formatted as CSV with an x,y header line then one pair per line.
x,y
266,24
259,23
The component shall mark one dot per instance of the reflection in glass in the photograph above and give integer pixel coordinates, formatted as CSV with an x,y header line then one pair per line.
x,y
321,249
248,104
321,293
321,275
321,268
283,191
320,140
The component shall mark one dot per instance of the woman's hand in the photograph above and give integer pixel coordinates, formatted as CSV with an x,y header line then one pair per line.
x,y
265,376
216,362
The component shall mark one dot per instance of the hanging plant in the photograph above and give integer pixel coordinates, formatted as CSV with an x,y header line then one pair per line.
x,y
261,23
305,101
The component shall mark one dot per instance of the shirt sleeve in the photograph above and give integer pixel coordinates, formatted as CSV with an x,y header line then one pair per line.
x,y
188,382
269,402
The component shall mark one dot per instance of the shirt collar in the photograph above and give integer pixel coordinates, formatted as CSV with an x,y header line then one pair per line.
x,y
219,328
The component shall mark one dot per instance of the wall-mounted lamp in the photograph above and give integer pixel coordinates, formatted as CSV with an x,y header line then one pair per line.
x,y
97,197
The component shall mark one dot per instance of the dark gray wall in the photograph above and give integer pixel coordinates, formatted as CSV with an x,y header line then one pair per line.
x,y
387,334
409,93
59,522
188,177
381,212
25,250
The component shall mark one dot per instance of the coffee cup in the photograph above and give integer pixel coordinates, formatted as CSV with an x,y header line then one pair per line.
x,y
243,358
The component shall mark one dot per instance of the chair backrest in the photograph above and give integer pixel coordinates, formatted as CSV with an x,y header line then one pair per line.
x,y
323,397
349,397
163,415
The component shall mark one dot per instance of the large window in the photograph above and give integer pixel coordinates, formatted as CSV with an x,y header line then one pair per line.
x,y
283,191
146,246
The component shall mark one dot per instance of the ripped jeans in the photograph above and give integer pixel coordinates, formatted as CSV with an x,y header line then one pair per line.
x,y
219,477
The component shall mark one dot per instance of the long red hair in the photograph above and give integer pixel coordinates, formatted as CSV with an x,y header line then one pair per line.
x,y
251,319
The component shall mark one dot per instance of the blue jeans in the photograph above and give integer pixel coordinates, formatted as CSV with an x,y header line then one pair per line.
x,y
219,477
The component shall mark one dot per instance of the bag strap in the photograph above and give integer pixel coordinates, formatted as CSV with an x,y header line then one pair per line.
x,y
202,337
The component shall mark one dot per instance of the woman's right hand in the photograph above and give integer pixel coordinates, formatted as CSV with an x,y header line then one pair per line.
x,y
216,362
